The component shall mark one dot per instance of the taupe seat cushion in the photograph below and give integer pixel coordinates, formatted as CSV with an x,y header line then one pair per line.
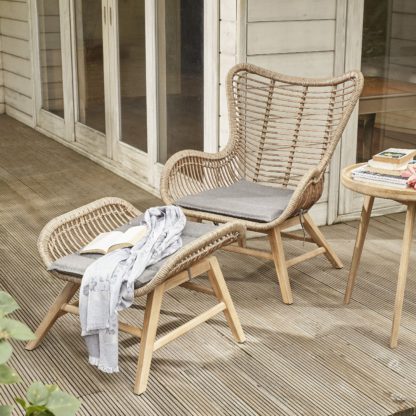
x,y
75,264
243,199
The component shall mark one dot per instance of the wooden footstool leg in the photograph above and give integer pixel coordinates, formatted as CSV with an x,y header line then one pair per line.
x,y
53,314
151,319
401,281
219,286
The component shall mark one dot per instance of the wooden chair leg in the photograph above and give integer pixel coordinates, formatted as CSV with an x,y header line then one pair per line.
x,y
401,281
358,247
320,240
220,288
151,319
53,314
278,253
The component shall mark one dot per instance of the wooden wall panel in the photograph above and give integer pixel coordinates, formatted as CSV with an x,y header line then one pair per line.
x,y
14,10
1,81
228,58
16,64
295,37
291,36
320,64
284,10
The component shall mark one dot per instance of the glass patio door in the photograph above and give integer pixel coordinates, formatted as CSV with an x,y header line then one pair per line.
x,y
387,106
124,80
51,37
181,76
90,72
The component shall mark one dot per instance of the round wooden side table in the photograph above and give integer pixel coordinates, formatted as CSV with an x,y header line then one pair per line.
x,y
404,196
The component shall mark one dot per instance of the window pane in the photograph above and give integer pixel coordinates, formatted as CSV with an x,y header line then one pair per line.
x,y
90,65
132,73
388,104
183,44
50,56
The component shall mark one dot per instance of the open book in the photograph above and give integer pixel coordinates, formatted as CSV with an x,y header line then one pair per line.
x,y
113,240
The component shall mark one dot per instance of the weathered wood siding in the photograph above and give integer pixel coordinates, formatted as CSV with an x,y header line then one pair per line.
x,y
228,58
1,79
15,52
296,37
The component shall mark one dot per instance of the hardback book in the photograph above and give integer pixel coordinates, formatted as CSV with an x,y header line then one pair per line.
x,y
106,242
387,165
393,172
362,174
388,184
395,156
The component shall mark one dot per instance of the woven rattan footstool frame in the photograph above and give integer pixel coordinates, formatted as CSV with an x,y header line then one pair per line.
x,y
67,233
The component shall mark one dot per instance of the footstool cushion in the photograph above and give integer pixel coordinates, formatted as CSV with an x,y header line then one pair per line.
x,y
75,264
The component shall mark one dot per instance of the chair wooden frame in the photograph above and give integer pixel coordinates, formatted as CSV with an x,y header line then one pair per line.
x,y
67,233
273,119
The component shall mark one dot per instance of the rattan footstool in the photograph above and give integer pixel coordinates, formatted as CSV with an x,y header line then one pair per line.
x,y
67,233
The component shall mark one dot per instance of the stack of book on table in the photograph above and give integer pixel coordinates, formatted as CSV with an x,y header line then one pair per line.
x,y
385,168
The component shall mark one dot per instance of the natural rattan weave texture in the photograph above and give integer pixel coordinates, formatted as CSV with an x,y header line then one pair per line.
x,y
284,131
69,232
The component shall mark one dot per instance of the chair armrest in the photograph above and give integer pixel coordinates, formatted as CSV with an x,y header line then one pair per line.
x,y
69,232
199,249
189,172
306,194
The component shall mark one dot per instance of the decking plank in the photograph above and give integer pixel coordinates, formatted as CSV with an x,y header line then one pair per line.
x,y
315,357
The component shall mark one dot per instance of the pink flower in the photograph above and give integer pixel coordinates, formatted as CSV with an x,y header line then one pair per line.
x,y
410,174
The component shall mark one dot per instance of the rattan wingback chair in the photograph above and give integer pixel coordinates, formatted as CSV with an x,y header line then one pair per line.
x,y
283,132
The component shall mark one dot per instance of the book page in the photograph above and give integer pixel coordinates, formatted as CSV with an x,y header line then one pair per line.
x,y
102,242
130,237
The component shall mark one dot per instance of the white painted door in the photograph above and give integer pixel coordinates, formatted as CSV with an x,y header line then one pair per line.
x,y
90,22
158,85
52,67
127,79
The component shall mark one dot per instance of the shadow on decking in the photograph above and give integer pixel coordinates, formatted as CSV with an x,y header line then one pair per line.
x,y
316,357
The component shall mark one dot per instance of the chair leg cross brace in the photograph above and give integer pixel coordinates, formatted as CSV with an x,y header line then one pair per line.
x,y
147,334
277,251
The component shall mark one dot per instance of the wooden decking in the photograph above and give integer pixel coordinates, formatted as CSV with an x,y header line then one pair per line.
x,y
316,357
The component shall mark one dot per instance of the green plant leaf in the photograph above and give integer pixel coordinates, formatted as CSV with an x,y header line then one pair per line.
x,y
7,304
5,351
62,404
37,411
8,375
37,394
52,387
21,401
16,329
6,410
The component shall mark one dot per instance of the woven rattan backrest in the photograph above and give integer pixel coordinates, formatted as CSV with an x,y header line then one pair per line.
x,y
282,126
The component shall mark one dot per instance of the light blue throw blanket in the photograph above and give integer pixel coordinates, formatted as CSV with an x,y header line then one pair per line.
x,y
108,284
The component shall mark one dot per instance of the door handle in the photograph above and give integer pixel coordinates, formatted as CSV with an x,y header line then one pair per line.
x,y
105,15
111,15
